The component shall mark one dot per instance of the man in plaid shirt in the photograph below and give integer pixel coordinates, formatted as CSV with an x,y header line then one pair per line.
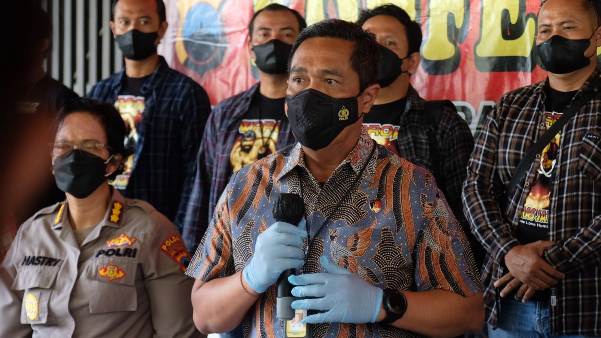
x,y
165,112
428,134
249,125
542,273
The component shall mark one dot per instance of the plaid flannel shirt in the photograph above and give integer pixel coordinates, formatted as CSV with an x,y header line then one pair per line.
x,y
444,149
175,112
213,161
503,138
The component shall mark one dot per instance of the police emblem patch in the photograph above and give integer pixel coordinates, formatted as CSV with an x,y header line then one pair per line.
x,y
111,272
376,206
343,114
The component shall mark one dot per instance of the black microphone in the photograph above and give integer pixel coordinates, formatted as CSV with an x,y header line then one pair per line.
x,y
287,208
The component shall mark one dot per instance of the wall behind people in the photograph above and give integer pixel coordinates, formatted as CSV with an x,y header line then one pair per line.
x,y
473,51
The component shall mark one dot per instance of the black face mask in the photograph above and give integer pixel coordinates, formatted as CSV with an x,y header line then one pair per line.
x,y
79,173
559,55
136,45
316,118
389,66
272,57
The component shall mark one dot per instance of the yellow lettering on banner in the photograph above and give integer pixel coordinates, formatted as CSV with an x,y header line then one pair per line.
x,y
437,46
492,43
408,5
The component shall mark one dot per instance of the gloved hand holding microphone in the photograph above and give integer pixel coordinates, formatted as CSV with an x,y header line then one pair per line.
x,y
279,248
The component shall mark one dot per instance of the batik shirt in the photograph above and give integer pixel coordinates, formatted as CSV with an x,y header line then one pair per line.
x,y
394,230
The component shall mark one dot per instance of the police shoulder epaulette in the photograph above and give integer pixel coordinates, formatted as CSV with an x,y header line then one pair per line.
x,y
50,210
139,204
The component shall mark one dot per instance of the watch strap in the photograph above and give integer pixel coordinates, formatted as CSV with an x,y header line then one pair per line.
x,y
393,313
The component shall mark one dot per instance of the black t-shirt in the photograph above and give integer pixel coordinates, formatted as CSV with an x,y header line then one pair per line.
x,y
534,219
258,131
133,85
264,108
382,123
131,105
556,100
388,113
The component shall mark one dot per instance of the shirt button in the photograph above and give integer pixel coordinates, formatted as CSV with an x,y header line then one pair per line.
x,y
537,155
542,125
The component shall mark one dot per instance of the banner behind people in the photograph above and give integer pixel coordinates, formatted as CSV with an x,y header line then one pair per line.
x,y
473,50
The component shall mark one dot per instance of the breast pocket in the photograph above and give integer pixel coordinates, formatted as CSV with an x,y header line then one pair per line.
x,y
115,286
590,155
36,284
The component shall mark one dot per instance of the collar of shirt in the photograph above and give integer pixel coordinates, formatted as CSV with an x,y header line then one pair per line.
x,y
414,101
234,116
592,84
112,217
153,81
356,158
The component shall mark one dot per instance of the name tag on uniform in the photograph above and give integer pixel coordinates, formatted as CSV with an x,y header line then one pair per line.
x,y
40,261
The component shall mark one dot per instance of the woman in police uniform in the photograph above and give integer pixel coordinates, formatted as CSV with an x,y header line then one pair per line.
x,y
98,264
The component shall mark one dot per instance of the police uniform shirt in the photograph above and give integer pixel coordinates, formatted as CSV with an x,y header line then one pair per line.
x,y
125,279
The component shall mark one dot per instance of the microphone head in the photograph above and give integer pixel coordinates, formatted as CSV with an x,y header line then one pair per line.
x,y
288,208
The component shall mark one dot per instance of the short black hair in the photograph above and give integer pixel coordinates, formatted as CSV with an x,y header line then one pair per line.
x,y
365,52
160,10
412,28
302,24
589,5
109,118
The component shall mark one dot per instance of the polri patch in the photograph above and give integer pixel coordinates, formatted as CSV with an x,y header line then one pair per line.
x,y
174,247
119,252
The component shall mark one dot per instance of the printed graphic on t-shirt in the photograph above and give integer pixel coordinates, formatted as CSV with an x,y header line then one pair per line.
x,y
536,208
256,139
384,134
131,109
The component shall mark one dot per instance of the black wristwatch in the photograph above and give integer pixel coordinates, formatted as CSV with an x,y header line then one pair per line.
x,y
395,305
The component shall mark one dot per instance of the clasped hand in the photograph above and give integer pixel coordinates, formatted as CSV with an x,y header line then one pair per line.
x,y
528,271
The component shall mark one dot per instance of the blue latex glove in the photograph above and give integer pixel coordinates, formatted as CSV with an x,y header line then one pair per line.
x,y
277,249
342,296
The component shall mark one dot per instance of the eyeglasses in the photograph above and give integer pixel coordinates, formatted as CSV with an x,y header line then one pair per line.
x,y
63,147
